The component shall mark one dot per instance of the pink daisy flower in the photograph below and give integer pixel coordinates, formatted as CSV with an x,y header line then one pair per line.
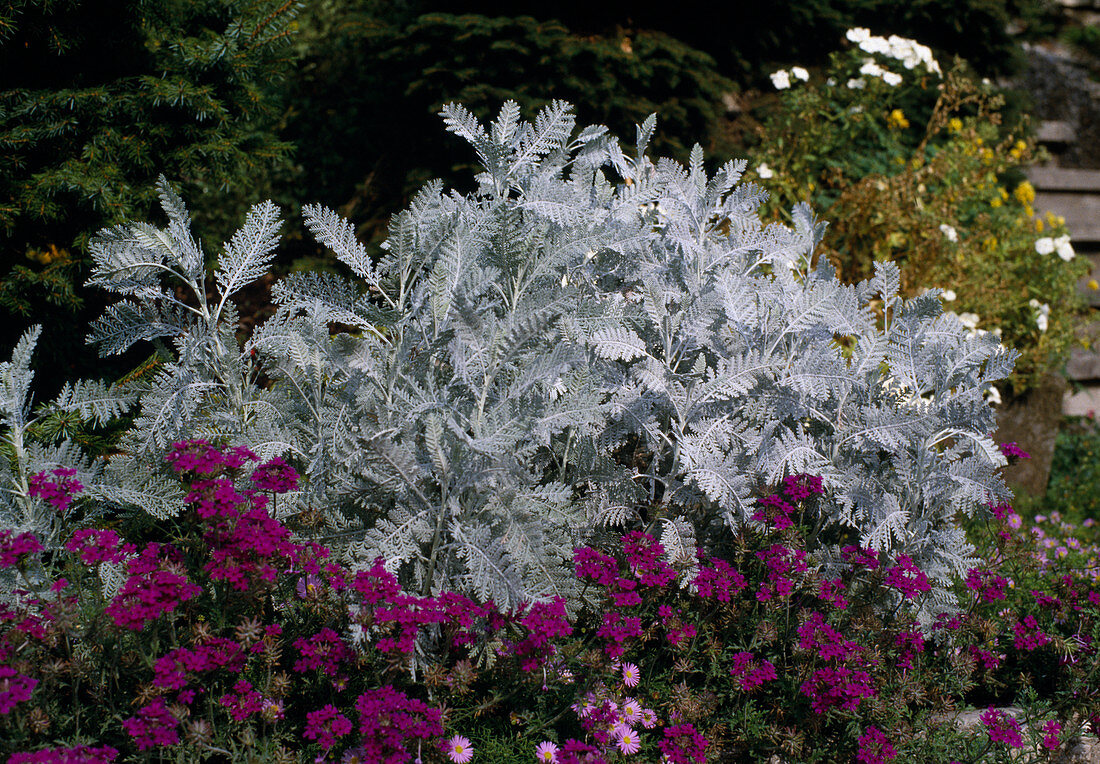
x,y
547,752
631,675
627,739
459,750
632,711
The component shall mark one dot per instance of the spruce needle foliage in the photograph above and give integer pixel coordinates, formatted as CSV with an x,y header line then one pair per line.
x,y
97,99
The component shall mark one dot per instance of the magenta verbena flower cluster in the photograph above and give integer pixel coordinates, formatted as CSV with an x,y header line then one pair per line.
x,y
240,619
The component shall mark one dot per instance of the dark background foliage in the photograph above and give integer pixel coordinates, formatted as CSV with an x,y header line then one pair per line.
x,y
97,99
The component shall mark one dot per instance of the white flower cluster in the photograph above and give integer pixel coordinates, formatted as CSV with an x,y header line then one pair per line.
x,y
764,171
782,78
910,52
1042,320
950,232
969,320
1061,245
871,69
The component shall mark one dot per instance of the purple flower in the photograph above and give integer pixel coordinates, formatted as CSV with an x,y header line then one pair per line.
x,y
198,457
595,566
837,687
243,702
326,726
682,744
627,739
94,546
874,747
1028,634
616,630
775,512
171,670
1002,728
645,558
59,494
832,591
907,578
798,487
153,726
1011,450
13,549
751,672
276,476
911,643
1052,730
718,580
816,636
388,719
987,584
858,557
14,688
153,588
325,651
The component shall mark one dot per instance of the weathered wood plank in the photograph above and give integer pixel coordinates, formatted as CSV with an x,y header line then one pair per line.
x,y
1081,211
1062,179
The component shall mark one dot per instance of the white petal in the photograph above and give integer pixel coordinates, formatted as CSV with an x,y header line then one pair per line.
x,y
781,79
1044,245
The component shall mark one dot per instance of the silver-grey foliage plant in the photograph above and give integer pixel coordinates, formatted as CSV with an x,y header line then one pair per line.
x,y
468,423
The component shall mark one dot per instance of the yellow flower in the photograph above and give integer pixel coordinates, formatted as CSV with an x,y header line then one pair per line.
x,y
990,243
954,125
995,202
897,119
987,156
50,255
1038,225
1093,285
1020,146
1025,193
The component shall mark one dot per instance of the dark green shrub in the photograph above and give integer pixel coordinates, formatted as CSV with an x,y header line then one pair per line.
x,y
96,100
369,89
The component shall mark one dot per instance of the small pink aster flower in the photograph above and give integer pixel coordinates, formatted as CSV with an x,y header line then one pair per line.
x,y
627,739
459,750
630,675
632,711
547,752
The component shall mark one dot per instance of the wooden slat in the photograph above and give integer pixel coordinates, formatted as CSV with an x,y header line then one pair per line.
x,y
1061,179
1055,132
1081,211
